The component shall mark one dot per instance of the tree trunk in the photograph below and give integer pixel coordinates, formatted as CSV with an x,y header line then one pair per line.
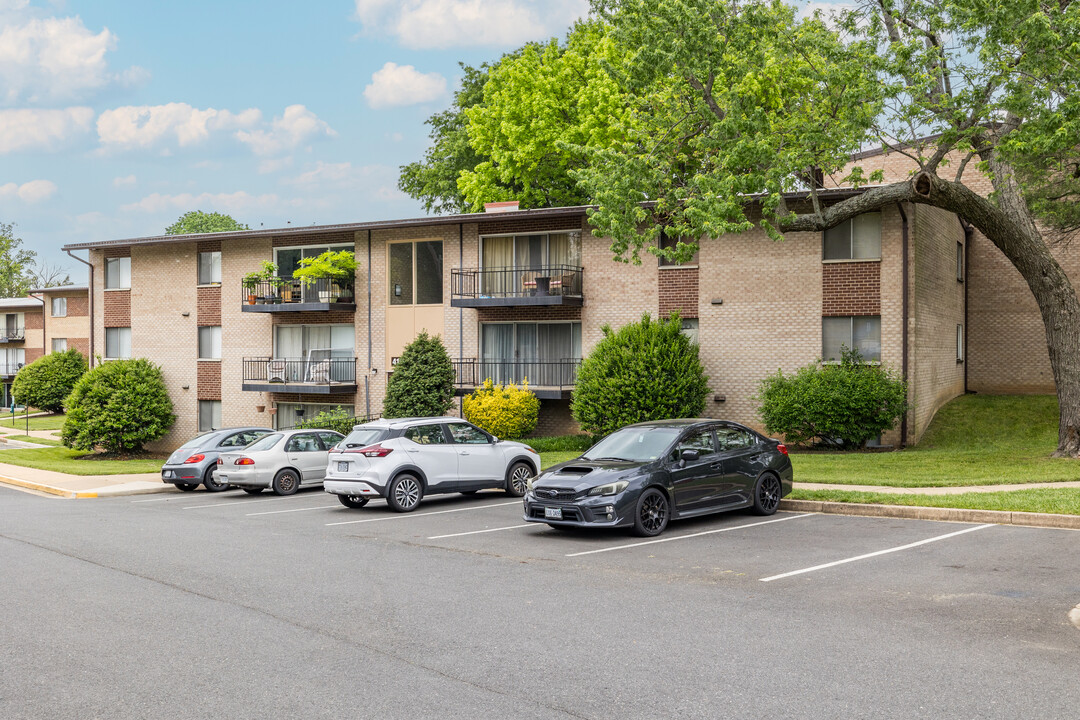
x,y
1010,226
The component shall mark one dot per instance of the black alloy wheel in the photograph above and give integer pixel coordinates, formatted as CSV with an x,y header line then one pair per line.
x,y
187,487
517,479
210,483
652,513
767,494
286,482
352,501
252,491
404,493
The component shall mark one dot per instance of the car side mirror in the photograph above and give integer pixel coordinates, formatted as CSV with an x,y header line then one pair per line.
x,y
689,455
494,439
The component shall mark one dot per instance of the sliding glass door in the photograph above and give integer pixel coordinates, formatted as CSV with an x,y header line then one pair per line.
x,y
544,353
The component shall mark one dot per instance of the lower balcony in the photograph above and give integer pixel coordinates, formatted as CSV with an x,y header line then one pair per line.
x,y
311,377
12,334
549,380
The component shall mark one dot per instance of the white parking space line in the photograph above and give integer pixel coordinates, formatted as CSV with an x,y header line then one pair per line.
x,y
687,537
875,554
175,496
235,503
275,512
405,516
477,532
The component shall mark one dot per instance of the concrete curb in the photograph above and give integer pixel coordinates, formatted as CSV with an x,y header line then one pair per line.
x,y
39,487
915,512
132,488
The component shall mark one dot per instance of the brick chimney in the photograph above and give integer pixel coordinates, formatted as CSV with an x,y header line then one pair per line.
x,y
500,207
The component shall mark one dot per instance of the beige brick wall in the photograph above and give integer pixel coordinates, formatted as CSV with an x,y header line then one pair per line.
x,y
937,307
242,334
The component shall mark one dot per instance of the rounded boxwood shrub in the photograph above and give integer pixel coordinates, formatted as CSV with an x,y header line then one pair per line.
x,y
422,383
841,405
120,406
46,382
506,411
648,370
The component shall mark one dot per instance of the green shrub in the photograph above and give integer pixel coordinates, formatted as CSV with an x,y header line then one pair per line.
x,y
647,370
845,404
506,411
337,419
120,406
46,382
422,383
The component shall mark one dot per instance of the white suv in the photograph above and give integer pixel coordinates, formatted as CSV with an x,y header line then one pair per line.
x,y
404,459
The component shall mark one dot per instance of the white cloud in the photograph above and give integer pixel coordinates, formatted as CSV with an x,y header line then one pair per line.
x,y
324,173
30,192
146,126
296,125
122,181
395,85
236,202
8,5
45,59
468,23
27,129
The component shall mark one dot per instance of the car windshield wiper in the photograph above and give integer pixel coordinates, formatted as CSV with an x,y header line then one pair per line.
x,y
619,459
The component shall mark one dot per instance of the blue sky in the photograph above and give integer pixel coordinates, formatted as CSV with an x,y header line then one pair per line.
x,y
117,116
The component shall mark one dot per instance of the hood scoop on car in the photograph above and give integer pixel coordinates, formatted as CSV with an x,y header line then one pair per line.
x,y
575,470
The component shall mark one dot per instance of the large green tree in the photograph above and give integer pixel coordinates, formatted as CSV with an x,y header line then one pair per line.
x,y
197,221
16,263
743,97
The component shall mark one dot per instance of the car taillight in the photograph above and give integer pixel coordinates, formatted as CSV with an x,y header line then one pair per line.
x,y
195,459
220,461
244,461
781,447
374,451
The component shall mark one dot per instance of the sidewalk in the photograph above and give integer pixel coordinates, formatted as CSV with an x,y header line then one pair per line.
x,y
892,489
81,486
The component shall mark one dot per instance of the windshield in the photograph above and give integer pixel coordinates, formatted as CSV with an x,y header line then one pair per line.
x,y
197,441
635,444
266,443
364,436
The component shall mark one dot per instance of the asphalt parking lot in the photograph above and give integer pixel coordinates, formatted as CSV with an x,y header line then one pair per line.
x,y
260,606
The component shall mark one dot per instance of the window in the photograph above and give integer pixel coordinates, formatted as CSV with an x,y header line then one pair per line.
x,y
306,442
855,239
959,343
960,261
59,307
288,259
862,333
700,440
11,359
210,268
416,273
465,434
240,439
210,342
314,349
668,243
14,327
59,344
117,343
690,329
209,415
329,439
118,273
545,353
426,435
734,439
292,414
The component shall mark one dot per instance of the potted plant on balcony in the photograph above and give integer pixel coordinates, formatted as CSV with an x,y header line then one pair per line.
x,y
338,269
267,278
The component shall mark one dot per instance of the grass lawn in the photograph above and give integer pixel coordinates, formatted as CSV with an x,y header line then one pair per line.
x,y
66,460
973,440
554,457
1063,501
43,422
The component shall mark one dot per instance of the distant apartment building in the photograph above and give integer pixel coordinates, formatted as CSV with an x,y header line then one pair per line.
x,y
525,294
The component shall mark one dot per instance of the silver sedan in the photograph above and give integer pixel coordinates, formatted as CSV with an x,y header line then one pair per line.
x,y
281,461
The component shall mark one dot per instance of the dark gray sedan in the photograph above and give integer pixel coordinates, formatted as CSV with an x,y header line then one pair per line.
x,y
642,476
194,462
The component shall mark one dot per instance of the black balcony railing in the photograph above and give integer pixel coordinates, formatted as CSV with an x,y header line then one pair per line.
x,y
287,291
9,369
9,334
328,371
551,281
539,373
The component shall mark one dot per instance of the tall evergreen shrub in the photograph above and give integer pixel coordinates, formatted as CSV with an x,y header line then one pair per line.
x,y
46,382
422,383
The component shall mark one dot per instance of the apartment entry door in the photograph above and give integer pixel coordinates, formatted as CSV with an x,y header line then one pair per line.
x,y
415,285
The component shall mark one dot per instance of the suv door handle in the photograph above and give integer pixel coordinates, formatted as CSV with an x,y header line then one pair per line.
x,y
464,452
714,466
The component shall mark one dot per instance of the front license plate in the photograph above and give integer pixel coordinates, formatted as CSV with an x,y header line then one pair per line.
x,y
343,467
553,513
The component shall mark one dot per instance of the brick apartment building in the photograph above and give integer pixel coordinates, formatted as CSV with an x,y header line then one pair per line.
x,y
526,293
47,320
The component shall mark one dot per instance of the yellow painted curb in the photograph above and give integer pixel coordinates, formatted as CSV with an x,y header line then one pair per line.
x,y
61,492
86,494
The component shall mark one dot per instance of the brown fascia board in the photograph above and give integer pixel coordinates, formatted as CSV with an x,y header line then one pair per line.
x,y
61,288
469,218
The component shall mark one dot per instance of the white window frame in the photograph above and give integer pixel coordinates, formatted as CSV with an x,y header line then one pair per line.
x,y
122,338
59,345
61,304
214,410
851,242
959,343
209,335
850,338
215,267
960,261
664,263
123,273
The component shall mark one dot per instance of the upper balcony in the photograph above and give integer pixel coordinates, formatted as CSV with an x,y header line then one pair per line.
x,y
306,377
8,370
11,334
287,294
516,286
548,379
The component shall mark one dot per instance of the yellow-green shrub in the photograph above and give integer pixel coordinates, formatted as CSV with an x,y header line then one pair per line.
x,y
505,411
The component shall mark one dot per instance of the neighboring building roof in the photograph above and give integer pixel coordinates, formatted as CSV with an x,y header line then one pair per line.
x,y
24,302
62,288
468,218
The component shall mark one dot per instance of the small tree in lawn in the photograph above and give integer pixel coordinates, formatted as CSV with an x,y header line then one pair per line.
x,y
120,406
422,383
648,370
46,382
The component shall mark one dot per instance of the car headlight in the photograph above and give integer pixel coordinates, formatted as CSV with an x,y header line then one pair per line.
x,y
529,484
610,489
